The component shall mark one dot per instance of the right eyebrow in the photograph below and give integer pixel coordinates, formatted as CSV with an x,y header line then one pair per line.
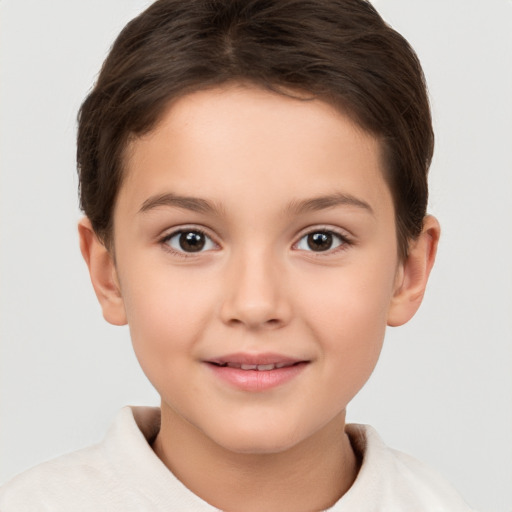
x,y
194,204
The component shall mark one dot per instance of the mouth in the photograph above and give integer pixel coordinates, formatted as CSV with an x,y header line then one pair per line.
x,y
256,367
261,372
255,362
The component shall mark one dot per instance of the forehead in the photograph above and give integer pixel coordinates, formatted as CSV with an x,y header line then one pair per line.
x,y
233,142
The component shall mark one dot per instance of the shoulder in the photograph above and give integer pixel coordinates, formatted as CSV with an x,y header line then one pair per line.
x,y
85,480
391,480
122,473
58,482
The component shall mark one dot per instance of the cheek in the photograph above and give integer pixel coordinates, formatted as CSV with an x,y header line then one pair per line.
x,y
352,334
348,314
357,295
167,314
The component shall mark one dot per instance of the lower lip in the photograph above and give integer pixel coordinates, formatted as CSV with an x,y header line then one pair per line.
x,y
256,380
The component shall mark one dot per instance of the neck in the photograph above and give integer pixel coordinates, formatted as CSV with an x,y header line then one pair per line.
x,y
312,475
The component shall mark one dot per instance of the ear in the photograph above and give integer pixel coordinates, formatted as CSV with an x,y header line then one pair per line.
x,y
412,274
103,274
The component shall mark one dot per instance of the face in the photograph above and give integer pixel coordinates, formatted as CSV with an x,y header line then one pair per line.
x,y
256,258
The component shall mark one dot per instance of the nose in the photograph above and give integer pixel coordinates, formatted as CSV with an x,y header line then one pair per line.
x,y
255,293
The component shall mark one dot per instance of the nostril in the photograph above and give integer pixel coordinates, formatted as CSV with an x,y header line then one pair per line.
x,y
254,312
271,323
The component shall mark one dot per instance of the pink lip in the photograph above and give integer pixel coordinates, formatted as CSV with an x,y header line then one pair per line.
x,y
254,379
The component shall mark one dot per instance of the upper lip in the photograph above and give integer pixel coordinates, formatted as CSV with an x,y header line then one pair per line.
x,y
255,359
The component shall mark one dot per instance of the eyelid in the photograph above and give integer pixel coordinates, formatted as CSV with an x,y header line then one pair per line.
x,y
172,232
346,239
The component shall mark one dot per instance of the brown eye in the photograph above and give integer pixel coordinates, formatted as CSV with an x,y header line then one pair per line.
x,y
320,241
190,241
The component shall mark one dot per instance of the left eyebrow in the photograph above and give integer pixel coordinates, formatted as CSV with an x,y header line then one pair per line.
x,y
323,202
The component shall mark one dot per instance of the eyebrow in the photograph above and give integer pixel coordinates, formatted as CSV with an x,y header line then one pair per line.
x,y
295,207
194,204
324,202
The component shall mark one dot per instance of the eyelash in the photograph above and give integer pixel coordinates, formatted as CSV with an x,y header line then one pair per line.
x,y
344,239
164,241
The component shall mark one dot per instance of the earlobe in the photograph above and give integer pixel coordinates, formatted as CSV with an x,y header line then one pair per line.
x,y
103,274
412,276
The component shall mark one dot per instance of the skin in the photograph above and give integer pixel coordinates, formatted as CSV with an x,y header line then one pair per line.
x,y
258,286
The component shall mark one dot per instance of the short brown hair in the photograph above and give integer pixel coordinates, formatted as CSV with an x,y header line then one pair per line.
x,y
340,51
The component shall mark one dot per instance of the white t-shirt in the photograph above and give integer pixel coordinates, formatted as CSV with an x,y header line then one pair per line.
x,y
123,474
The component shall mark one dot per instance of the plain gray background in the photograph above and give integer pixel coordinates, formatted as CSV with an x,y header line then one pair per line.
x,y
443,388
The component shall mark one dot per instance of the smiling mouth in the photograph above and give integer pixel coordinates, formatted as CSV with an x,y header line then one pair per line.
x,y
256,367
256,373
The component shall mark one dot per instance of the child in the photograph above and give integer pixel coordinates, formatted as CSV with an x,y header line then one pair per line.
x,y
253,175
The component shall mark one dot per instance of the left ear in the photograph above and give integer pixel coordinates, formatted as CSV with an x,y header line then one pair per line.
x,y
412,274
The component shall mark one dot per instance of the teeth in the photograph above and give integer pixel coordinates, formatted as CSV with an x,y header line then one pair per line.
x,y
263,367
248,366
258,367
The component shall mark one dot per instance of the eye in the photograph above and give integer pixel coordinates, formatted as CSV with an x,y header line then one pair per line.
x,y
321,241
189,241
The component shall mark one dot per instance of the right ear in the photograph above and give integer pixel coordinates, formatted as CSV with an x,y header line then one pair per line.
x,y
103,274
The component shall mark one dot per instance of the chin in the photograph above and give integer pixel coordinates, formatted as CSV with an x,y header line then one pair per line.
x,y
258,439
